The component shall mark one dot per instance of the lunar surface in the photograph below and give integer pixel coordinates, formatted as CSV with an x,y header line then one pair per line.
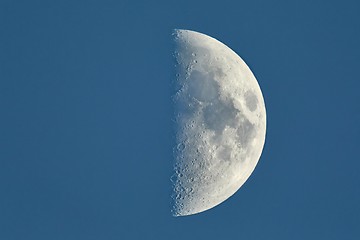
x,y
220,123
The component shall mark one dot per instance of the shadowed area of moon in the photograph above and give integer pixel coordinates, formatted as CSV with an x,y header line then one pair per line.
x,y
220,123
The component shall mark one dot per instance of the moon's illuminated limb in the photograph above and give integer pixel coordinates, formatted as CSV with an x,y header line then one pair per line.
x,y
220,121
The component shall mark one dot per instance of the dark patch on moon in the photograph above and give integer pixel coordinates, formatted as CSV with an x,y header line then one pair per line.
x,y
202,86
219,114
225,153
251,100
246,131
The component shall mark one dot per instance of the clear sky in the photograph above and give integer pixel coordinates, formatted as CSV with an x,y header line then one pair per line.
x,y
85,119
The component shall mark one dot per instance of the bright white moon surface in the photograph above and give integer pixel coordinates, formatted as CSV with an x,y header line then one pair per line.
x,y
220,123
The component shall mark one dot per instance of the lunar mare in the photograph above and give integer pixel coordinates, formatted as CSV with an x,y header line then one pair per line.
x,y
220,123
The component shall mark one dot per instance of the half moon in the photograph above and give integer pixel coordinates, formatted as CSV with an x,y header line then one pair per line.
x,y
220,123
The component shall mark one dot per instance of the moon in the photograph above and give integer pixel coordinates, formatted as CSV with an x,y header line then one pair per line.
x,y
220,123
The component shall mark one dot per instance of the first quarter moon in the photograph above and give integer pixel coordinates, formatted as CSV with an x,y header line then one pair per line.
x,y
220,123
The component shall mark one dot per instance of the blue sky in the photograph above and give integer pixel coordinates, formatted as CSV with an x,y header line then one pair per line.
x,y
85,124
